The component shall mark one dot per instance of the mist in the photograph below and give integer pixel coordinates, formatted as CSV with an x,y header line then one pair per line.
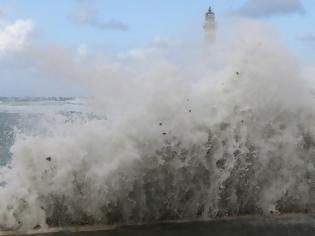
x,y
192,130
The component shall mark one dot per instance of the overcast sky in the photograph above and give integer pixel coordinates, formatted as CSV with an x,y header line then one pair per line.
x,y
114,26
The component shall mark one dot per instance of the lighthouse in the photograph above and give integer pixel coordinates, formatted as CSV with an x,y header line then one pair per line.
x,y
209,26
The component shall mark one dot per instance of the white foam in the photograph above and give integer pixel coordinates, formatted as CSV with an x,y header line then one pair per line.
x,y
169,124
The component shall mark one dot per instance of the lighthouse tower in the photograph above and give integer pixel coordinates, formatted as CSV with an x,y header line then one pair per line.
x,y
209,26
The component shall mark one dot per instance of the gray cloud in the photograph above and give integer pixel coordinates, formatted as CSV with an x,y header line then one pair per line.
x,y
101,24
87,14
265,8
306,37
3,11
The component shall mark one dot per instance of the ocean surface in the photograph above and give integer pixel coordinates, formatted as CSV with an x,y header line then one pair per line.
x,y
23,115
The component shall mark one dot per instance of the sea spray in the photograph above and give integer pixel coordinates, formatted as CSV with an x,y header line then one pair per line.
x,y
229,132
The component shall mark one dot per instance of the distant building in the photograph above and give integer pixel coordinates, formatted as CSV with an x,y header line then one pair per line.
x,y
210,26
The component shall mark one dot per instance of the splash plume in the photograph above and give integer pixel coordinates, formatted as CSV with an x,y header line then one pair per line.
x,y
225,132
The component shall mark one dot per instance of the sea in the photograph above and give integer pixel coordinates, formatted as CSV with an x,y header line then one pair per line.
x,y
22,114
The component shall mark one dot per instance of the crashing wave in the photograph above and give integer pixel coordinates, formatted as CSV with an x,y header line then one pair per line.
x,y
241,140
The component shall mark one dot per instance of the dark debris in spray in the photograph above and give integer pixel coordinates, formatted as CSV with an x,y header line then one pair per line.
x,y
223,177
